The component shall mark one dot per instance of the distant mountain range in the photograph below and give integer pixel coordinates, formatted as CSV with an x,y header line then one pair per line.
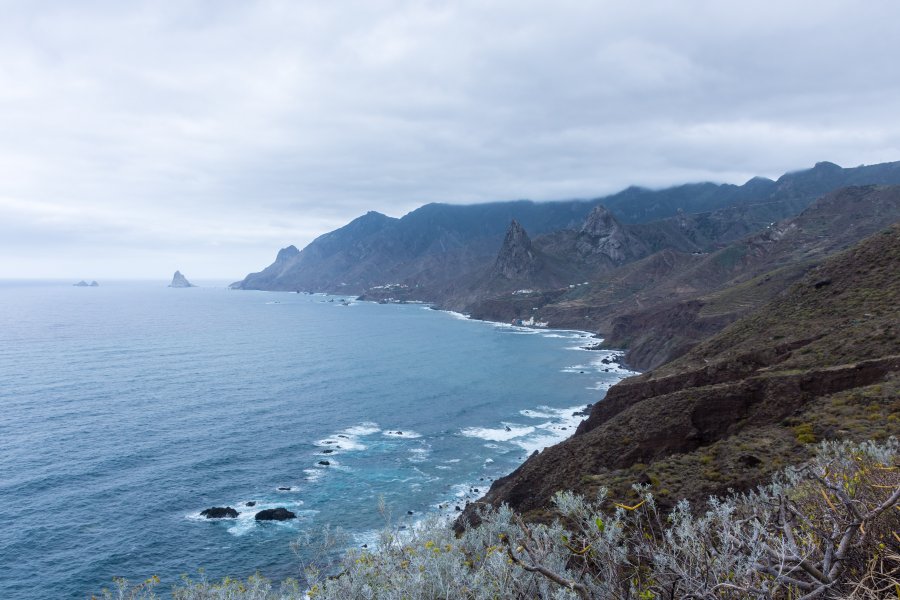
x,y
439,250
660,305
766,314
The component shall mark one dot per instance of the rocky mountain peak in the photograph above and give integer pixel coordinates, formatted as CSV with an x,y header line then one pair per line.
x,y
287,253
827,166
600,222
517,257
604,237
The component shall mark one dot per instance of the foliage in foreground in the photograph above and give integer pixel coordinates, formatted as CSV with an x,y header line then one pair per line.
x,y
826,530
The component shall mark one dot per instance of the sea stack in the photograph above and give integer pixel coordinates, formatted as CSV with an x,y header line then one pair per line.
x,y
180,281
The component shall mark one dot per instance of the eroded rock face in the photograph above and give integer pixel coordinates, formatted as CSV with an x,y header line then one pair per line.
x,y
734,399
517,258
220,512
603,235
275,514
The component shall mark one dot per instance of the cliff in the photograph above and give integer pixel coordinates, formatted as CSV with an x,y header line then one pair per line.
x,y
517,259
821,361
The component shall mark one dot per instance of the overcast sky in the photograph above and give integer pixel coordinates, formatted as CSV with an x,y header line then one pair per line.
x,y
137,138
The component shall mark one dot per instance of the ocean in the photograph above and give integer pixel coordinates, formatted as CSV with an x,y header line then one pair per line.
x,y
129,408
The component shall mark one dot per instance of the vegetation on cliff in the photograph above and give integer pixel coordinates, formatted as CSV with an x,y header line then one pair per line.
x,y
821,361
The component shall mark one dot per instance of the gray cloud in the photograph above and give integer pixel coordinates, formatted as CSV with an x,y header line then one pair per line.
x,y
204,135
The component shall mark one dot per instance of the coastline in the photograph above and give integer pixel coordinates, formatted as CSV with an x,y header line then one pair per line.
x,y
461,494
532,428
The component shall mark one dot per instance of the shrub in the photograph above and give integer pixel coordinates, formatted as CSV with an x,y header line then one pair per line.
x,y
804,433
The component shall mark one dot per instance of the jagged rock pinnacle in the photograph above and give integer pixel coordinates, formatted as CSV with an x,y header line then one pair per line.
x,y
517,257
600,223
602,235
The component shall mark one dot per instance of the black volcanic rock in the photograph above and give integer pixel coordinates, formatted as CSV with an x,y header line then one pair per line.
x,y
180,281
517,258
275,514
220,512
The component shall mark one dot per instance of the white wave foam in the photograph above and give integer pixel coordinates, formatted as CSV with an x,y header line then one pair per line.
x,y
456,315
563,423
534,414
347,439
371,539
342,443
366,428
559,424
508,432
246,521
401,433
418,455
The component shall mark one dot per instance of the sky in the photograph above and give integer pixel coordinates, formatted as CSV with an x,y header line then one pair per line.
x,y
137,138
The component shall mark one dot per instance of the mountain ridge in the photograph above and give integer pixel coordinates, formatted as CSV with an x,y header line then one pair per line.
x,y
436,243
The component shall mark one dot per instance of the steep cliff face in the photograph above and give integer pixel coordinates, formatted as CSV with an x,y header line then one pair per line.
x,y
821,361
603,238
517,259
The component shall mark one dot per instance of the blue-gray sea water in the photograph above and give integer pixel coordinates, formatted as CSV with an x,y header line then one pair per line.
x,y
129,408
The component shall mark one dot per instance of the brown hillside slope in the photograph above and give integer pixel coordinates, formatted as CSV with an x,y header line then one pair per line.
x,y
820,361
